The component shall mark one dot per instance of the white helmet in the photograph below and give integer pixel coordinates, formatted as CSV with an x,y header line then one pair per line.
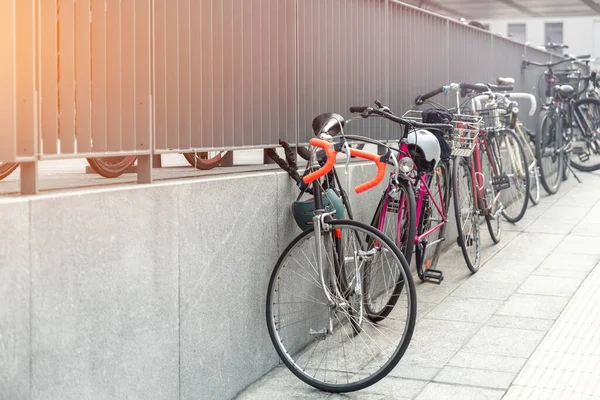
x,y
424,148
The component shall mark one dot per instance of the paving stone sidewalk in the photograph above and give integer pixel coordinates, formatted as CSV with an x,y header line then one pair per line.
x,y
525,326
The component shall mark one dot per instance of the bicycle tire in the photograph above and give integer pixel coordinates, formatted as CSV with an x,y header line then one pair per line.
x,y
519,178
204,160
421,258
407,246
544,135
489,191
7,168
377,313
473,263
575,160
111,167
534,183
301,343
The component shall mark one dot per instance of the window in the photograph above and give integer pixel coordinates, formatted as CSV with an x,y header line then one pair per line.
x,y
517,32
554,32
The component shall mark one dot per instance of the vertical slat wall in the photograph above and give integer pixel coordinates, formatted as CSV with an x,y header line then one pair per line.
x,y
342,61
8,103
94,66
418,55
224,73
26,103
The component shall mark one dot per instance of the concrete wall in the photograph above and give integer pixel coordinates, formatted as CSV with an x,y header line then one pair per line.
x,y
145,292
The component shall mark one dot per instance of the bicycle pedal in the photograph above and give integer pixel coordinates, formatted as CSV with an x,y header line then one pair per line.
x,y
393,206
500,182
433,276
581,153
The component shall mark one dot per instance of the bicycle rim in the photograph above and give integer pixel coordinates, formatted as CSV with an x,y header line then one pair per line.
x,y
467,217
586,154
431,217
550,163
515,198
492,218
299,318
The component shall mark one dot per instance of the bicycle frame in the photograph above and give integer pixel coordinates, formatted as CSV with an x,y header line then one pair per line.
x,y
423,190
478,176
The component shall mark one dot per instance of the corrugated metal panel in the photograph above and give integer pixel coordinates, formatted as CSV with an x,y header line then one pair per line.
x,y
342,61
224,73
8,133
238,73
26,103
91,58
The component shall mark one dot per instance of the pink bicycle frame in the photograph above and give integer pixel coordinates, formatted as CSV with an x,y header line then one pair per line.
x,y
423,191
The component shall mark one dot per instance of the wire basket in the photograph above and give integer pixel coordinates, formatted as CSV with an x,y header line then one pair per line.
x,y
464,135
493,118
568,77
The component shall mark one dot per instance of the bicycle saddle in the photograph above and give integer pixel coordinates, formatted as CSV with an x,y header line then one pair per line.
x,y
565,91
328,123
505,81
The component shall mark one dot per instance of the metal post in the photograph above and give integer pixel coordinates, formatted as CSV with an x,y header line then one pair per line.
x,y
227,160
144,169
29,175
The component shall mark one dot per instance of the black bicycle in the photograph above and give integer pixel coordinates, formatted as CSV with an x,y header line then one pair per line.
x,y
568,127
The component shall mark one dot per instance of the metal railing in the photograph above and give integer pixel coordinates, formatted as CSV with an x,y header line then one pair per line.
x,y
98,78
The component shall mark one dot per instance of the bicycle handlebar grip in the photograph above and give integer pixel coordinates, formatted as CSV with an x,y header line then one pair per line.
x,y
358,109
381,168
331,156
504,88
420,99
477,88
583,56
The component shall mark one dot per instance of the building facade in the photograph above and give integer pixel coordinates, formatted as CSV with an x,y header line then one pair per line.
x,y
581,34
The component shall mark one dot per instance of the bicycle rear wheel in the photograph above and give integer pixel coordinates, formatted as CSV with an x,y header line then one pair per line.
x,y
205,160
467,216
547,143
315,340
395,218
111,167
7,168
492,217
430,217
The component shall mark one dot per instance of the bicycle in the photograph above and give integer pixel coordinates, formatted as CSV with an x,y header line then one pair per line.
x,y
517,162
331,286
421,185
565,112
474,194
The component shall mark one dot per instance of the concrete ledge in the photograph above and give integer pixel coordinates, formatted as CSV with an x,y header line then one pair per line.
x,y
153,292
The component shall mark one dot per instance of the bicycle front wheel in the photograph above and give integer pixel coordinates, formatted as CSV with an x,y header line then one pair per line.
x,y
515,198
315,338
467,216
586,154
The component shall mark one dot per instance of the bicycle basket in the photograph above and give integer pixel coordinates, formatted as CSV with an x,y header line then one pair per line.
x,y
464,135
567,77
493,117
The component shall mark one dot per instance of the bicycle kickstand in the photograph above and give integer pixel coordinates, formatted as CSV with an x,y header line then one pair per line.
x,y
573,172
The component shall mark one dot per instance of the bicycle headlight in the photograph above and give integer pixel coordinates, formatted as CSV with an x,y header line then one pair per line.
x,y
405,165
